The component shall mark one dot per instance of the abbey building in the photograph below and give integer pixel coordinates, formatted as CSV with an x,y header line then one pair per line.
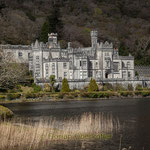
x,y
100,61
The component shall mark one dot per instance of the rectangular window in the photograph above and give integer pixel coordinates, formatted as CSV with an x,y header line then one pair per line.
x,y
96,64
84,63
70,75
107,64
65,74
128,64
20,54
129,74
90,73
116,66
84,74
29,55
53,66
37,57
80,63
65,65
124,74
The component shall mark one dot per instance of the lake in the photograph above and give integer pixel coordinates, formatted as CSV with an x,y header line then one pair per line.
x,y
133,115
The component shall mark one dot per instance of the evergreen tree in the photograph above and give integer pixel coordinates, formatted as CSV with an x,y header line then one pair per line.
x,y
65,86
52,82
44,32
92,86
123,50
53,24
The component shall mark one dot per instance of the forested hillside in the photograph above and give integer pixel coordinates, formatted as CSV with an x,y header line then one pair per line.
x,y
124,22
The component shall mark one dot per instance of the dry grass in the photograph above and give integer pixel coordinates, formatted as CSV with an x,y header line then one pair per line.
x,y
21,136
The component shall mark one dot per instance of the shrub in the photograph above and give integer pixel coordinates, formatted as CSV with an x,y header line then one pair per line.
x,y
119,87
145,93
65,86
61,95
130,87
126,93
30,95
84,94
52,82
27,89
139,87
137,93
47,88
2,97
69,96
13,96
92,86
108,87
5,112
16,89
106,94
36,88
75,94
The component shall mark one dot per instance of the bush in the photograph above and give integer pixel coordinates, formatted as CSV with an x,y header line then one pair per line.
x,y
97,94
69,96
119,87
36,88
30,95
145,93
61,95
65,86
47,88
138,93
84,94
92,86
130,87
126,93
108,87
5,112
2,97
139,87
13,96
33,95
15,90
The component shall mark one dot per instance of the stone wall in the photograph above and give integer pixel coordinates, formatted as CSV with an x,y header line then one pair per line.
x,y
80,84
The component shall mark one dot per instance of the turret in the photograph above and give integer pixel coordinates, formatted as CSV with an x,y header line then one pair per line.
x,y
94,35
52,40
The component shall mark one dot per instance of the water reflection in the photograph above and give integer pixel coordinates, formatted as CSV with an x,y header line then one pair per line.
x,y
133,117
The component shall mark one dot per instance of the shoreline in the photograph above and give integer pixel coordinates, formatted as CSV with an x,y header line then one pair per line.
x,y
72,100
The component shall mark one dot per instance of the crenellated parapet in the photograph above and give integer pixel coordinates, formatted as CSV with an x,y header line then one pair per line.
x,y
105,45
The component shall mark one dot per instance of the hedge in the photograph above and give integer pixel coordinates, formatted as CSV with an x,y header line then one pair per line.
x,y
13,96
33,95
97,94
126,93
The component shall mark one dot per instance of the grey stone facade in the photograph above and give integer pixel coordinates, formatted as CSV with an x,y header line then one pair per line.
x,y
101,61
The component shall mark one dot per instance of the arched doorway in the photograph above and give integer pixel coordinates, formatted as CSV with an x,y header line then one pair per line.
x,y
106,75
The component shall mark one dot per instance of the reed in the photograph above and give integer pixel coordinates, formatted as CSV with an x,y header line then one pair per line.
x,y
28,136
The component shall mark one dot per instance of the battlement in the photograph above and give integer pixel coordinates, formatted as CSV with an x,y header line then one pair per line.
x,y
94,33
106,45
52,34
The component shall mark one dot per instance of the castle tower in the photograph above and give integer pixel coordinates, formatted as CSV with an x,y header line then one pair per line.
x,y
52,40
94,35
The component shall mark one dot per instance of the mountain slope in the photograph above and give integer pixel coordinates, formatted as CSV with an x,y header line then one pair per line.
x,y
124,22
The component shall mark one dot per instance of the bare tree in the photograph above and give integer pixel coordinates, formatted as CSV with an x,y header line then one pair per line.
x,y
11,73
